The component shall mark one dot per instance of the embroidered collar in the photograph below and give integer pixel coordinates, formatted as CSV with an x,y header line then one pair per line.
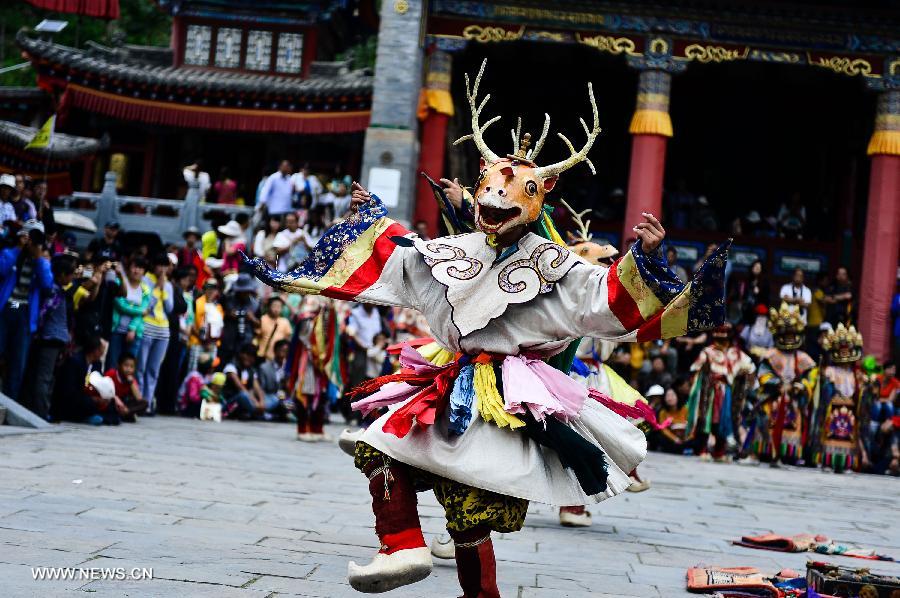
x,y
481,286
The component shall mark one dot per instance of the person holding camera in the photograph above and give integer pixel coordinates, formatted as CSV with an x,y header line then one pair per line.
x,y
24,276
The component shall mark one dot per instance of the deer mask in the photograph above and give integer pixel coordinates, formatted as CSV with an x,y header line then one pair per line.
x,y
510,191
582,244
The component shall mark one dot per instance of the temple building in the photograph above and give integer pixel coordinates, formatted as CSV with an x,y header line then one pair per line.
x,y
243,84
719,114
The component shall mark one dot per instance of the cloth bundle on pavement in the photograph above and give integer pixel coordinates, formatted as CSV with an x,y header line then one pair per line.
x,y
809,543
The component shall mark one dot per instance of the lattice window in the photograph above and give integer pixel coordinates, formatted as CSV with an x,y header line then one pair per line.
x,y
290,53
197,45
259,51
228,47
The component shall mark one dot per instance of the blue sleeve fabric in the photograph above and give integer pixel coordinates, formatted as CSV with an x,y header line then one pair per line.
x,y
656,273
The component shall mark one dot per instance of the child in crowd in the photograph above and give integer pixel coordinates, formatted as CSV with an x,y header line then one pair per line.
x,y
190,394
209,320
243,397
376,356
211,398
128,391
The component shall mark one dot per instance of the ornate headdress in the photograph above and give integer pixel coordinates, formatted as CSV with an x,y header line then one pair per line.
x,y
786,326
582,244
843,344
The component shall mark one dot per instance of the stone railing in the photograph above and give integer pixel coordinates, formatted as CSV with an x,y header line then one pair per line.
x,y
168,218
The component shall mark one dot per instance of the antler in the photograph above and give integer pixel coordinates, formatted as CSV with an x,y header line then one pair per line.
x,y
583,225
477,130
516,134
577,156
533,154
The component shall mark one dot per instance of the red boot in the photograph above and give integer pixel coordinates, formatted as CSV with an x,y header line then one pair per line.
x,y
403,558
475,563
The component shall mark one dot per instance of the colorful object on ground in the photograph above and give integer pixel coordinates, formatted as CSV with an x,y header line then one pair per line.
x,y
731,581
808,543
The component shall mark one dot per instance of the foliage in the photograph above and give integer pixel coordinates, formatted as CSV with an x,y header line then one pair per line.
x,y
140,21
362,53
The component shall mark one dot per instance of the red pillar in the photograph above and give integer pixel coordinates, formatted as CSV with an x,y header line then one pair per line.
x,y
881,249
435,110
645,182
880,255
431,162
650,127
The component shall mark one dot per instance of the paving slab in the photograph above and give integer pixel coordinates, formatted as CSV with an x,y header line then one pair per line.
x,y
242,509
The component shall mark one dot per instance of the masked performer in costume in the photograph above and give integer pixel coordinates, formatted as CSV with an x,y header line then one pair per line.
x,y
786,378
315,367
589,366
496,425
721,375
842,392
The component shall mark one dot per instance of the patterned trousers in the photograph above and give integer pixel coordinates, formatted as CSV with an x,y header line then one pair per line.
x,y
465,507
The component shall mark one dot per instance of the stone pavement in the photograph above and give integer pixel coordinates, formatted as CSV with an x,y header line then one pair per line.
x,y
241,509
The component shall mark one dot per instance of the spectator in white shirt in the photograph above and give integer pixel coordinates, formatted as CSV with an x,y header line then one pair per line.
x,y
195,172
797,293
277,194
307,185
292,244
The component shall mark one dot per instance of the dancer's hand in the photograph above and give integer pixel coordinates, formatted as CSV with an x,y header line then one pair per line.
x,y
358,196
651,233
454,192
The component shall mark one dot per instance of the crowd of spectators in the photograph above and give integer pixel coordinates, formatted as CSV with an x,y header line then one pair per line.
x,y
125,328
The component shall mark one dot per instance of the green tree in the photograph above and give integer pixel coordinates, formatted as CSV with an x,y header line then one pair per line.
x,y
140,22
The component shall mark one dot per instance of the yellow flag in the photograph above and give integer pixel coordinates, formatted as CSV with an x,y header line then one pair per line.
x,y
44,136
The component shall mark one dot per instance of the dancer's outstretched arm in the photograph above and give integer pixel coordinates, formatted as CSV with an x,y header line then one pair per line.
x,y
639,298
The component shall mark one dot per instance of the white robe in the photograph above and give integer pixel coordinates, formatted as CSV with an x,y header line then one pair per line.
x,y
486,456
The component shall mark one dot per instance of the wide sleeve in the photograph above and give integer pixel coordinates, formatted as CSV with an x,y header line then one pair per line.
x,y
640,299
367,258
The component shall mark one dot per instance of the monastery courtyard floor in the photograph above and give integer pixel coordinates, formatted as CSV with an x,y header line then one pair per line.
x,y
242,509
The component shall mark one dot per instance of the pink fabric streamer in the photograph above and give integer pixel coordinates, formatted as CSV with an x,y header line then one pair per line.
x,y
640,410
540,388
390,393
396,392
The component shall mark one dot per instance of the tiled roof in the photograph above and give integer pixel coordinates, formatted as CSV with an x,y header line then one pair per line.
x,y
136,66
65,147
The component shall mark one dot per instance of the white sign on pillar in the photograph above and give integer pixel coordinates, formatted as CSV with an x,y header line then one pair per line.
x,y
385,183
